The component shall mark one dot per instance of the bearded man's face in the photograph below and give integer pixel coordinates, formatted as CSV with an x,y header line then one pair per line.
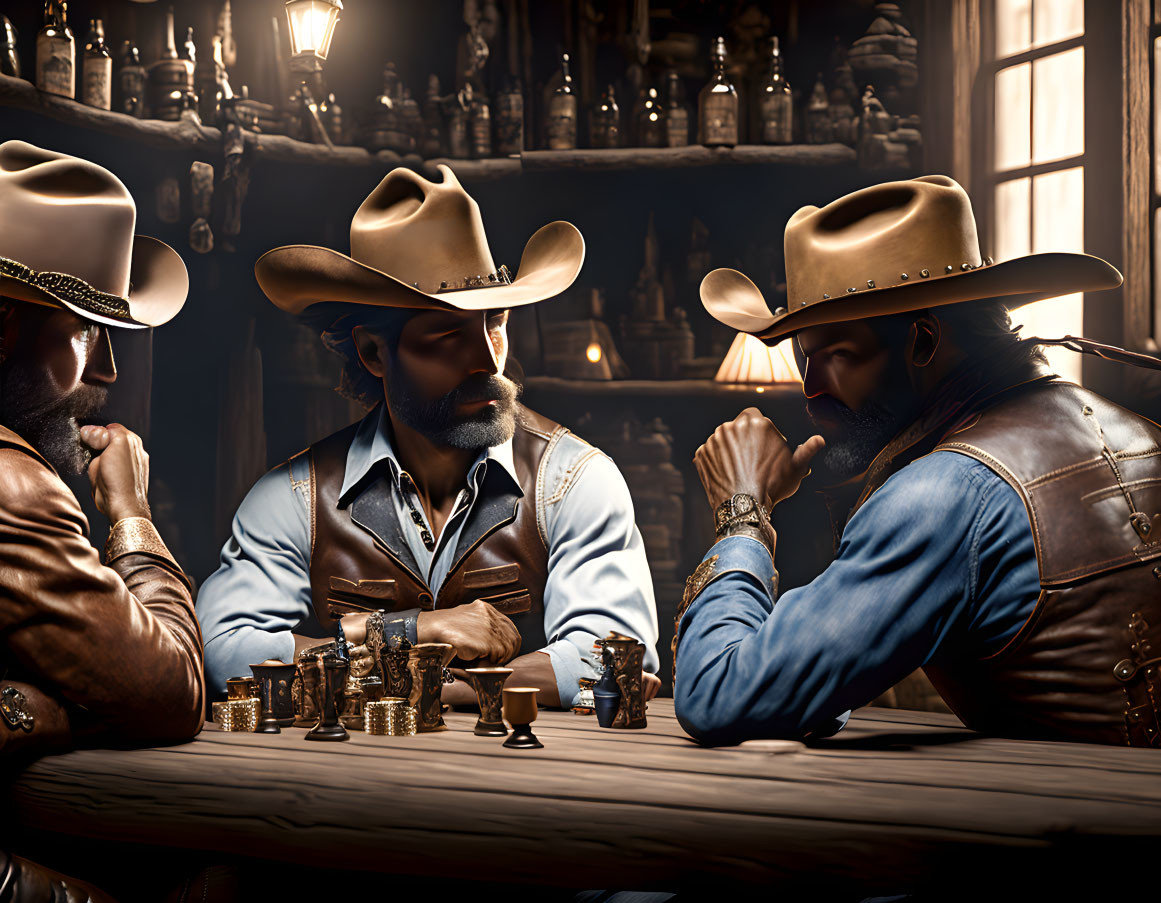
x,y
445,378
54,377
858,396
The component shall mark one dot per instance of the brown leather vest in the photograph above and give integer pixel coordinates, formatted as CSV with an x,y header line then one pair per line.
x,y
1087,664
360,561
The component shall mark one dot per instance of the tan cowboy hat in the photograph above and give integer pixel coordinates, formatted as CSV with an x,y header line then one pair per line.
x,y
66,240
888,249
421,244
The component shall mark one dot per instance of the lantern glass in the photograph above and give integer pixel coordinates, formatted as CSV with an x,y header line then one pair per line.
x,y
312,25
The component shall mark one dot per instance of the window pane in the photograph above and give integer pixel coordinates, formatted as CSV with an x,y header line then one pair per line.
x,y
1013,219
1058,20
1057,225
1013,26
1058,211
1013,116
1058,106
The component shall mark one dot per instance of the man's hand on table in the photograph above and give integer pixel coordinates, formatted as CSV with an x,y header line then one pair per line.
x,y
749,455
477,631
119,471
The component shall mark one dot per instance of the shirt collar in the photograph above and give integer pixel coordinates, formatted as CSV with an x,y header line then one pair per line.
x,y
372,446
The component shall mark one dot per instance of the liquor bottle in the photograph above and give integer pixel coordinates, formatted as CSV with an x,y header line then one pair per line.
x,y
775,104
456,117
209,79
387,131
432,144
9,60
717,104
605,120
479,124
817,119
131,82
410,119
510,119
97,69
676,113
562,112
650,120
170,79
56,52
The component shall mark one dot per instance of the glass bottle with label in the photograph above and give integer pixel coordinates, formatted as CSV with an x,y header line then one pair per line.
x,y
562,112
56,52
510,119
775,104
676,112
131,81
717,104
97,69
170,79
480,125
605,121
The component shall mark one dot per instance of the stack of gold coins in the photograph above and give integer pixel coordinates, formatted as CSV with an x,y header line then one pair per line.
x,y
237,714
391,717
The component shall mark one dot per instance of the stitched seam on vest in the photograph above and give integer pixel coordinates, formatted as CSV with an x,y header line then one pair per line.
x,y
972,452
571,474
1053,475
541,505
313,505
1109,492
1125,456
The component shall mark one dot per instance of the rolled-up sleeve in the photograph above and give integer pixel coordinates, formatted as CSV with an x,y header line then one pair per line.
x,y
598,575
907,577
261,590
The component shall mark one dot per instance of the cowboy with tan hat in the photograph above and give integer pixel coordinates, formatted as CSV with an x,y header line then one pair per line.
x,y
450,513
995,525
90,653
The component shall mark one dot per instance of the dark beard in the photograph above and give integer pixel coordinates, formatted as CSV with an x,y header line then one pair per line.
x,y
48,425
438,421
854,445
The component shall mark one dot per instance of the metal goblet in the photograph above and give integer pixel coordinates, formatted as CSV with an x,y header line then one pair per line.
x,y
520,712
488,682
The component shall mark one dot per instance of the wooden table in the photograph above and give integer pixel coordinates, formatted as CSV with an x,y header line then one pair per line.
x,y
899,800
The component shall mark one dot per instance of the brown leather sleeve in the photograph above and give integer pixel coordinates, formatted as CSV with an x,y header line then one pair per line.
x,y
120,643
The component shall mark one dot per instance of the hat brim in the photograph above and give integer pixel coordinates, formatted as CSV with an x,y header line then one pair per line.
x,y
734,300
296,276
158,287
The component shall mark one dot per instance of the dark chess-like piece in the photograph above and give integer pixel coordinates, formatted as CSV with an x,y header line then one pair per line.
x,y
627,656
334,675
267,720
488,683
275,683
303,689
393,657
520,712
426,662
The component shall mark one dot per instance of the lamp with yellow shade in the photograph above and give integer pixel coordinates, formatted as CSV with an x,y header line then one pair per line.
x,y
751,361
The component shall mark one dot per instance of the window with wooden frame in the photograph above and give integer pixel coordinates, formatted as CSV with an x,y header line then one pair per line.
x,y
1034,168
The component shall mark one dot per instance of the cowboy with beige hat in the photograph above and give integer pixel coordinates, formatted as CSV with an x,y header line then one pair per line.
x,y
450,513
77,637
995,525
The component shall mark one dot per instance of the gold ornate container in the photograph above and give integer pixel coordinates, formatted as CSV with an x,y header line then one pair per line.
x,y
237,714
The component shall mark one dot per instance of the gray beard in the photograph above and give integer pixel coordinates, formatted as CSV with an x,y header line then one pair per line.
x,y
50,427
438,420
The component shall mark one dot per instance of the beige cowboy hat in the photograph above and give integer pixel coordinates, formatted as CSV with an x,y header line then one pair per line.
x,y
421,244
66,240
889,249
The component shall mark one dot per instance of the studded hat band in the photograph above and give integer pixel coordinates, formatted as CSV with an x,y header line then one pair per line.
x,y
68,288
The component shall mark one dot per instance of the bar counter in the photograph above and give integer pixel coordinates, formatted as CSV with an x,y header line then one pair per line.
x,y
897,801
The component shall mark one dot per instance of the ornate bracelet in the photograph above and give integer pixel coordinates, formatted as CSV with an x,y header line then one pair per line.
x,y
135,535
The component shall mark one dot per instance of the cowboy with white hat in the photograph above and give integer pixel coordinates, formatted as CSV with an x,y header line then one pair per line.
x,y
995,525
77,637
450,513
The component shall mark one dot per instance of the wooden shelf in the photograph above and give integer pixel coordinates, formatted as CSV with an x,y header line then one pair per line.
x,y
17,93
669,388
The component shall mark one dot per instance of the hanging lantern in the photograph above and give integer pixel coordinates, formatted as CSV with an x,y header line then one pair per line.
x,y
312,25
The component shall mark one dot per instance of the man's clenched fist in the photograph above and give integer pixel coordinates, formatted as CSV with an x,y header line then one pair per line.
x,y
476,630
119,471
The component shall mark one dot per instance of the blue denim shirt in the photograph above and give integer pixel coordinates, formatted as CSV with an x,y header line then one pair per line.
x,y
939,562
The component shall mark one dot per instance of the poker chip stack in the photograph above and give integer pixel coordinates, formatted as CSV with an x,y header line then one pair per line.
x,y
237,714
391,717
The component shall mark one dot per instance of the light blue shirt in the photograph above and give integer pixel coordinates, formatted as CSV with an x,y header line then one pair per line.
x,y
598,575
938,565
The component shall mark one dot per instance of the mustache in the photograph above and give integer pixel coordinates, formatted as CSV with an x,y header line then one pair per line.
x,y
483,387
826,408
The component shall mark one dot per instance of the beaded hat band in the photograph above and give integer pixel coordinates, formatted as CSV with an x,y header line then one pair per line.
x,y
68,288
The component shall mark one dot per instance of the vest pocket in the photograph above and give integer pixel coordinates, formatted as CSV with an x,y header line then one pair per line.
x,y
347,596
500,587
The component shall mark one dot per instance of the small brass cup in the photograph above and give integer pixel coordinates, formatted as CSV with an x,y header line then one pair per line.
x,y
520,712
488,682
